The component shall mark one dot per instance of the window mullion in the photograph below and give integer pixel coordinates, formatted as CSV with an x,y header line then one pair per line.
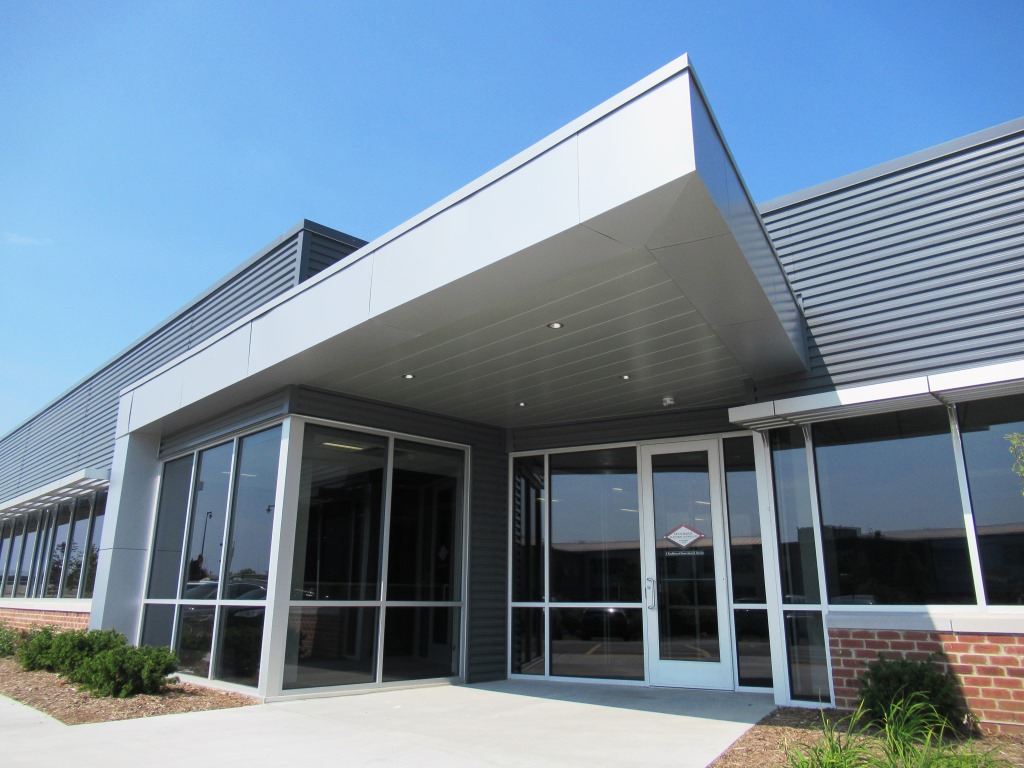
x,y
968,508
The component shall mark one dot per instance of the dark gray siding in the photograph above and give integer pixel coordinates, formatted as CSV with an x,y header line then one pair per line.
x,y
649,427
911,269
322,247
77,430
245,417
488,520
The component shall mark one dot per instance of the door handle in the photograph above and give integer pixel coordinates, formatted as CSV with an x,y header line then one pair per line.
x,y
651,599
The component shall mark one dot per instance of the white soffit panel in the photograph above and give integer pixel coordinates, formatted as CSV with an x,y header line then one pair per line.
x,y
922,391
65,489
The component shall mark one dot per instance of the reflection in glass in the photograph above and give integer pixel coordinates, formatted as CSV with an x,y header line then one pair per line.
x,y
41,555
996,494
685,557
57,551
252,518
195,639
241,641
528,528
172,510
76,546
891,519
798,562
420,643
18,538
595,526
805,653
597,642
206,535
157,625
753,649
528,641
92,551
426,505
330,646
340,514
744,520
6,534
24,573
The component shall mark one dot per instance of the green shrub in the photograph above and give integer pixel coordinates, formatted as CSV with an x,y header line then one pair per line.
x,y
34,650
126,670
888,681
842,745
70,649
9,640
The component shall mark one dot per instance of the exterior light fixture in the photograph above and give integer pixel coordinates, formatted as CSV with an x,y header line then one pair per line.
x,y
555,325
408,375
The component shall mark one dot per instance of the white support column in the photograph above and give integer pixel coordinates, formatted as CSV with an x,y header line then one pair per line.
x,y
131,502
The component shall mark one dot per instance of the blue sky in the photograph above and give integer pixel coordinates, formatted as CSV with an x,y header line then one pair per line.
x,y
146,149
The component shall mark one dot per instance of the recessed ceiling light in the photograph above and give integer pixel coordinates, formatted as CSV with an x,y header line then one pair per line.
x,y
555,325
625,377
522,405
408,375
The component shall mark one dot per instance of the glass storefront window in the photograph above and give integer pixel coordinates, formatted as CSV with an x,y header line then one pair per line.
x,y
597,642
745,550
892,522
340,516
528,538
92,550
528,641
77,539
996,493
806,655
172,511
420,643
24,572
195,639
595,527
241,643
57,551
331,646
798,561
209,512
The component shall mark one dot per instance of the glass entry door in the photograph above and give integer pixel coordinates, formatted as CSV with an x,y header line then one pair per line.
x,y
684,552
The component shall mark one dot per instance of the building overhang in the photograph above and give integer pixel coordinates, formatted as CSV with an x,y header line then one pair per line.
x,y
64,490
945,388
630,226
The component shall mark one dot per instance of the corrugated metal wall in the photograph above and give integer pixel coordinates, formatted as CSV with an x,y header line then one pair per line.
x,y
77,430
919,269
488,526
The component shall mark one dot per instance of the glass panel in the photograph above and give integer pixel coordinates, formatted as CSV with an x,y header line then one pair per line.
x,y
597,642
172,511
798,562
17,541
340,513
891,520
528,641
93,550
425,538
753,649
157,624
77,539
685,557
996,494
57,550
595,526
241,641
28,553
206,536
6,534
40,558
744,521
195,639
252,518
330,646
528,528
805,651
420,643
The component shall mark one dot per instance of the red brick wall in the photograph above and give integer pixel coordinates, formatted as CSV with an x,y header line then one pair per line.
x,y
27,618
990,667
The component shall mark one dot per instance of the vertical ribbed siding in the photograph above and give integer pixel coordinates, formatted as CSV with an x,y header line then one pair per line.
x,y
916,270
77,431
487,601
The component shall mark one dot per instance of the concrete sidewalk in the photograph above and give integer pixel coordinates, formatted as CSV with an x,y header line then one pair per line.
x,y
509,723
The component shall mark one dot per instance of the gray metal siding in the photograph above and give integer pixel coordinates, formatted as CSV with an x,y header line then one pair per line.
x,y
249,415
919,269
77,430
323,252
487,600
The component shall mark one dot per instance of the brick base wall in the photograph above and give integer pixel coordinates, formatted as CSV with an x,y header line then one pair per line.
x,y
27,618
990,667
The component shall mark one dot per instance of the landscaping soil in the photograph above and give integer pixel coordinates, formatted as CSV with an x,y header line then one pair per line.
x,y
58,698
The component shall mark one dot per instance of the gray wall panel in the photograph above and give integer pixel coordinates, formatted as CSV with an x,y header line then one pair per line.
x,y
246,416
488,520
76,431
915,270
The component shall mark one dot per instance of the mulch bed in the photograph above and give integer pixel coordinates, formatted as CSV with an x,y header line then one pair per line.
x,y
49,693
766,744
